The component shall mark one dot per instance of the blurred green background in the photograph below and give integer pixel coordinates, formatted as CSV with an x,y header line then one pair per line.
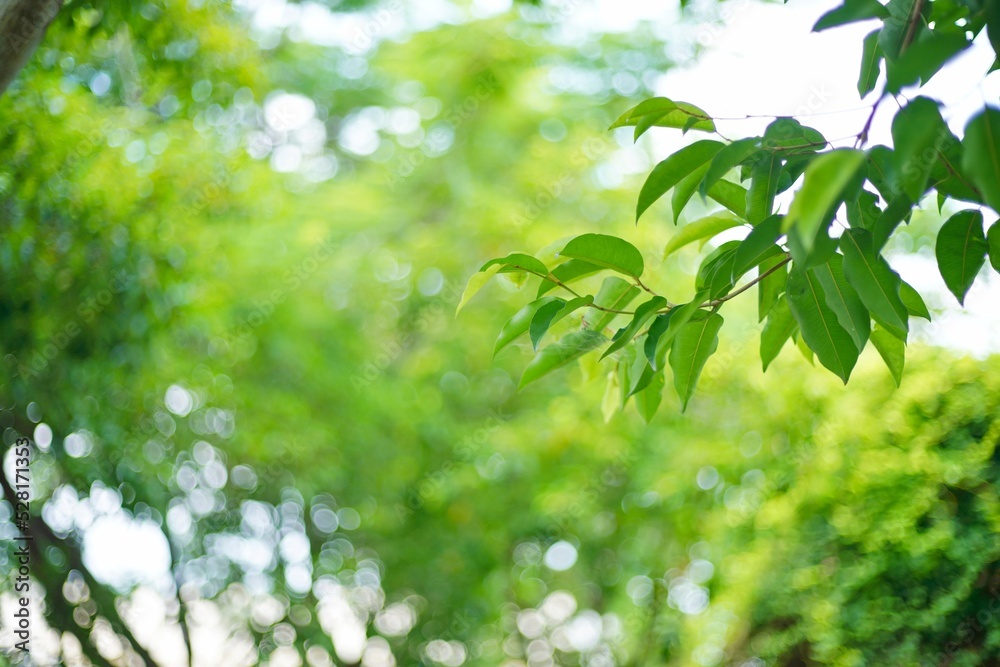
x,y
231,258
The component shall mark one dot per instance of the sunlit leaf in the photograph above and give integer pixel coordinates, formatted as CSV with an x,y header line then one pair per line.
x,y
914,303
615,294
777,330
610,252
647,401
758,246
704,228
892,350
663,112
517,261
567,272
643,313
823,189
476,283
571,347
551,313
731,195
727,159
665,327
684,190
518,324
670,171
775,277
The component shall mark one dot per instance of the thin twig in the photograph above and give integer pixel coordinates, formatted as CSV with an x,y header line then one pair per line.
x,y
722,300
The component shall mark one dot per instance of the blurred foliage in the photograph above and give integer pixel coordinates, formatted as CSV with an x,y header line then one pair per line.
x,y
828,293
232,321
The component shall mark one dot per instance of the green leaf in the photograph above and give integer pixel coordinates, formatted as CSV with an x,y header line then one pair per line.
x,y
898,210
663,112
818,324
551,313
647,401
822,191
731,195
917,133
794,167
948,175
757,246
643,314
849,12
844,300
993,245
877,284
914,303
893,352
695,343
665,327
609,252
567,272
778,329
615,294
871,56
992,11
684,190
670,171
476,283
924,59
611,403
896,26
882,171
788,137
981,159
716,271
704,228
572,346
763,186
961,251
804,348
727,159
519,323
518,261
651,345
640,373
863,211
771,286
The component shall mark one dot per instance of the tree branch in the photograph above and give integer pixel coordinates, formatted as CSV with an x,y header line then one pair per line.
x,y
22,26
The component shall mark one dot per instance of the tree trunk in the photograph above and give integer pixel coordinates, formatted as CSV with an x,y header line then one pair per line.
x,y
22,24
